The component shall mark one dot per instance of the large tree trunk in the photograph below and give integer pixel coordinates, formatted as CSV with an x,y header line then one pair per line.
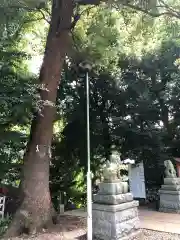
x,y
35,211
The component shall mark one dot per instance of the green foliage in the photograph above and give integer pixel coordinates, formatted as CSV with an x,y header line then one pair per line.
x,y
17,97
4,225
136,109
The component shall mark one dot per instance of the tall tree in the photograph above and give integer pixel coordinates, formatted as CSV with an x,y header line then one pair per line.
x,y
36,210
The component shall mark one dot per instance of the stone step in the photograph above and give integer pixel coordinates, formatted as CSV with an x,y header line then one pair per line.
x,y
112,199
115,208
170,192
172,181
170,197
171,187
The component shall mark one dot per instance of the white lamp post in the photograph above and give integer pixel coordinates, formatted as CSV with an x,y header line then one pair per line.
x,y
86,67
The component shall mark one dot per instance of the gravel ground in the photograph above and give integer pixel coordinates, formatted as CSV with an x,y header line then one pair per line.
x,y
151,235
71,228
147,235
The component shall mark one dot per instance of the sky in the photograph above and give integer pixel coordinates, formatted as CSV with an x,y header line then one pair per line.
x,y
35,64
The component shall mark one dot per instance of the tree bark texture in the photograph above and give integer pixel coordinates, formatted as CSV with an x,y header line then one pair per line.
x,y
36,209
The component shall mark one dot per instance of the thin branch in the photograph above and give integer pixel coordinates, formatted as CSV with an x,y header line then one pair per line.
x,y
166,6
33,20
146,11
47,11
86,10
78,16
73,36
18,7
44,16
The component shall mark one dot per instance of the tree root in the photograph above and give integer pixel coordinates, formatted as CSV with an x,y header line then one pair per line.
x,y
25,222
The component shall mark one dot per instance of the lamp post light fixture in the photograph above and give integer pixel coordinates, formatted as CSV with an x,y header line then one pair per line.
x,y
129,161
86,68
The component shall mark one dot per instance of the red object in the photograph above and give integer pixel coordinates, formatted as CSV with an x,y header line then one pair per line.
x,y
178,166
3,190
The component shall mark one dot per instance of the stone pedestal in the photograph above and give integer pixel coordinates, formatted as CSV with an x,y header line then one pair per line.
x,y
115,214
170,195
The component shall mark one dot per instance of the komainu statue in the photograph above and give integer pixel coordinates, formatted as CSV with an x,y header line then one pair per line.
x,y
170,171
111,170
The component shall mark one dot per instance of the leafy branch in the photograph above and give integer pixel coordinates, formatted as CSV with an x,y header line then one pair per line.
x,y
168,10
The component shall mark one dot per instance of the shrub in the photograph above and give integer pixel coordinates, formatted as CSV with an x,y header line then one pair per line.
x,y
4,225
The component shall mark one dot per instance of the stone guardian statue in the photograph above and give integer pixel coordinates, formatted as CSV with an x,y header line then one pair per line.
x,y
170,171
111,170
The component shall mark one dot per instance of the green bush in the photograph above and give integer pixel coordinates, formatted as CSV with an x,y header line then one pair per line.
x,y
4,225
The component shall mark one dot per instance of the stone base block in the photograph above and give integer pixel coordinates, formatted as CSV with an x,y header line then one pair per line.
x,y
169,206
172,196
172,181
169,210
113,199
169,199
168,192
113,188
170,187
115,208
122,230
136,235
113,222
114,216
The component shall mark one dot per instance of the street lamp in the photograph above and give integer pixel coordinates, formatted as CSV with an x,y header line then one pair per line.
x,y
86,67
129,161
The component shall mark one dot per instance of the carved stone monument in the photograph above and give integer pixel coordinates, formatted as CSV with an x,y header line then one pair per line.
x,y
115,214
170,191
